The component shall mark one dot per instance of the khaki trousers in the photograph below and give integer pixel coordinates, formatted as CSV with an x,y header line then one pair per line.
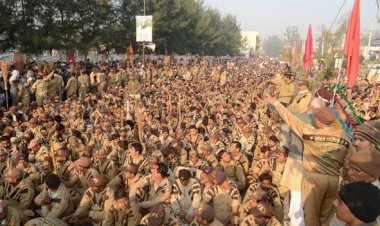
x,y
318,193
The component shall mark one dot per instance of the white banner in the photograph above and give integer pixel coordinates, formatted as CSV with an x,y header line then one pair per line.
x,y
144,28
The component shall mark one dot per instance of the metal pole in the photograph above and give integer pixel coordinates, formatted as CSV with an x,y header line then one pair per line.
x,y
143,52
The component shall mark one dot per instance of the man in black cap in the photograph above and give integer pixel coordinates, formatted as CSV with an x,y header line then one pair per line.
x,y
358,203
186,196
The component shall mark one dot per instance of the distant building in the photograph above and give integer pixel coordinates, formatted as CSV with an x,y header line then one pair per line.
x,y
251,37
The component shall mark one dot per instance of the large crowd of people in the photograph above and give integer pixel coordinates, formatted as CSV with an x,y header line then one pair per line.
x,y
205,141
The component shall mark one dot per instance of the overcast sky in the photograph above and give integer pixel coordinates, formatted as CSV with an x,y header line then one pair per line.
x,y
273,16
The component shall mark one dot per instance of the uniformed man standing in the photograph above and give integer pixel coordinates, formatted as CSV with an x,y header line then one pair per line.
x,y
83,84
302,99
22,95
71,86
326,150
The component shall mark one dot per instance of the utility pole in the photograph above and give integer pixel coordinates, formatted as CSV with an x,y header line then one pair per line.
x,y
143,52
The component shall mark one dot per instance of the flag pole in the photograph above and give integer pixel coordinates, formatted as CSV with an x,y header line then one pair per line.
x,y
337,80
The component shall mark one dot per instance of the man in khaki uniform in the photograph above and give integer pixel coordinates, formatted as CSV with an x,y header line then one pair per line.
x,y
233,169
22,95
120,214
96,202
262,215
54,199
104,165
205,216
71,86
286,87
40,88
235,150
326,150
186,196
102,81
208,156
225,199
83,84
16,191
10,215
301,101
55,86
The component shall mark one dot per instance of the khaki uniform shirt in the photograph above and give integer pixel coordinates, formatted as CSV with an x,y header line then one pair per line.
x,y
222,202
59,207
186,199
20,195
301,102
98,204
156,193
326,150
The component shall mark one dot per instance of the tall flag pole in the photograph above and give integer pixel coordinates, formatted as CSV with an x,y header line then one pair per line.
x,y
352,45
309,50
294,53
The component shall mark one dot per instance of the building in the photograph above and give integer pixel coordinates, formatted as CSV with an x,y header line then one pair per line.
x,y
251,44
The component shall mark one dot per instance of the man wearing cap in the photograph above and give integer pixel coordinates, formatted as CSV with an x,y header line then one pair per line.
x,y
367,136
261,215
22,164
205,216
285,87
302,99
83,174
99,138
364,166
104,165
326,150
358,204
186,196
54,199
96,201
37,151
225,199
10,215
17,191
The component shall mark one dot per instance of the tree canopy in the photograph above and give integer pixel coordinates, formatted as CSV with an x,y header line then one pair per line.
x,y
180,26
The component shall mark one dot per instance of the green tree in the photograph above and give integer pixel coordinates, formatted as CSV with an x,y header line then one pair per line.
x,y
272,46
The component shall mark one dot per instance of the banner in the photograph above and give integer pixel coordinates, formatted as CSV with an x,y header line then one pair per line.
x,y
144,28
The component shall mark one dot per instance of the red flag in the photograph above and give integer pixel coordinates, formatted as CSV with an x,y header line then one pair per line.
x,y
352,45
294,53
71,56
309,50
